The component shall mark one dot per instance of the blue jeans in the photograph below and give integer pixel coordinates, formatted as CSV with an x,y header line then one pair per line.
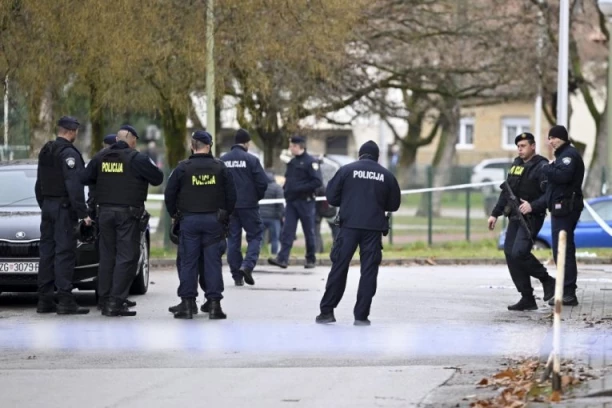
x,y
273,226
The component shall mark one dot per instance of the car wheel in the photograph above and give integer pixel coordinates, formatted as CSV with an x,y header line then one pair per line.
x,y
539,244
140,286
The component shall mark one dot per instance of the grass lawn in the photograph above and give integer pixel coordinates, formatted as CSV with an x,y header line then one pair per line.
x,y
450,199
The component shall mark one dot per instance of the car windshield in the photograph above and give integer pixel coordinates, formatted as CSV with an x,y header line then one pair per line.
x,y
602,208
17,187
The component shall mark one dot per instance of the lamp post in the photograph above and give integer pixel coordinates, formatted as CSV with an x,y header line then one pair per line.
x,y
563,63
210,72
606,8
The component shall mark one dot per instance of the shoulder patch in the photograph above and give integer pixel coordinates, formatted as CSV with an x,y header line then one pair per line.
x,y
315,165
70,162
566,160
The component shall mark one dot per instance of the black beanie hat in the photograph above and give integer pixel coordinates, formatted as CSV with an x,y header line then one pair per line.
x,y
369,148
558,131
242,136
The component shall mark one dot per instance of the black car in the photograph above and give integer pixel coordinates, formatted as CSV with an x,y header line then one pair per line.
x,y
20,237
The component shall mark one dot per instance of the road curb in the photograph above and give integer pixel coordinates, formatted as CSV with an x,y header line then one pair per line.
x,y
167,262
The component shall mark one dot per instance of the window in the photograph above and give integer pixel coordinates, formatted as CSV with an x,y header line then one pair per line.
x,y
466,133
336,144
511,128
602,208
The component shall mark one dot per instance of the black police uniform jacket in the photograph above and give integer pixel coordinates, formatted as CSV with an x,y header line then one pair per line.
x,y
59,168
200,184
302,178
121,176
249,177
528,182
565,176
364,190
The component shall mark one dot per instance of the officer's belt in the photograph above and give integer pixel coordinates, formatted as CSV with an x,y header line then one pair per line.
x,y
117,207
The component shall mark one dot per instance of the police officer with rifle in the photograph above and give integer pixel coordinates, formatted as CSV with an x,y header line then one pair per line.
x,y
523,201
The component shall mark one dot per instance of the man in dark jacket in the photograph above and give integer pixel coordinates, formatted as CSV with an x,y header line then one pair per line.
x,y
364,190
528,183
272,214
251,184
565,203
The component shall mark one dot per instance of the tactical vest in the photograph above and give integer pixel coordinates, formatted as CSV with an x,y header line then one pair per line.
x,y
117,184
520,180
202,189
51,174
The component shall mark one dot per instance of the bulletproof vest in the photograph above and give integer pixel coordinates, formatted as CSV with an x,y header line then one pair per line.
x,y
117,184
51,174
202,189
522,182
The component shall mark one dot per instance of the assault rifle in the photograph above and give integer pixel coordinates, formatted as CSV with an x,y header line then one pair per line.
x,y
514,203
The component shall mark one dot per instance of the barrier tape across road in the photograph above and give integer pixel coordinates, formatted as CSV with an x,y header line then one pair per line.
x,y
160,197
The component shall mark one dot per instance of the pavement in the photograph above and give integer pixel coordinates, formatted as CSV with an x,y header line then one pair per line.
x,y
436,331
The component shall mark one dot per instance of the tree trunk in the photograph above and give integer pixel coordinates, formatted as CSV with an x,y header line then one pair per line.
x,y
174,125
443,159
41,121
272,145
594,181
406,165
96,116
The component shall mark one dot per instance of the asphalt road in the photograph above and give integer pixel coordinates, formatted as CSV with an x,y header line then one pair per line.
x,y
269,352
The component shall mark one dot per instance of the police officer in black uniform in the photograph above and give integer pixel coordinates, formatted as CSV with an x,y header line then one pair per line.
x,y
528,183
61,198
364,190
251,185
121,176
565,202
201,192
302,178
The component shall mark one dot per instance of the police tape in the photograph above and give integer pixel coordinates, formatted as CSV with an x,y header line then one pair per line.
x,y
602,224
160,197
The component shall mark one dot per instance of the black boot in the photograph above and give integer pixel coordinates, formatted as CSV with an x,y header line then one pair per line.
x,y
102,303
276,262
67,305
186,308
116,307
310,265
549,288
569,299
46,304
215,311
176,308
247,273
129,303
325,318
526,303
205,307
239,281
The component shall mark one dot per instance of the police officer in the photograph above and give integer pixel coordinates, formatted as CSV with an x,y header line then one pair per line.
x,y
201,192
110,140
565,203
251,184
61,198
528,183
302,178
364,190
121,176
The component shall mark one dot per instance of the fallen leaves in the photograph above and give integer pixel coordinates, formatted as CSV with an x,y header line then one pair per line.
x,y
519,384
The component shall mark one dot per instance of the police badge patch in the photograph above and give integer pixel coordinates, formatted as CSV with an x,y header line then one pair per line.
x,y
566,160
70,162
315,166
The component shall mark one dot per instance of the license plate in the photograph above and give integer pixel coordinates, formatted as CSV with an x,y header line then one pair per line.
x,y
18,267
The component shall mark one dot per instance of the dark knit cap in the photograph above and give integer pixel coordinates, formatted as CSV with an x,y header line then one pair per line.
x,y
369,148
242,136
559,132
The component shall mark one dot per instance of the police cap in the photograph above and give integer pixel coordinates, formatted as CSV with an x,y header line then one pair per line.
x,y
68,122
524,136
202,136
130,129
110,139
297,139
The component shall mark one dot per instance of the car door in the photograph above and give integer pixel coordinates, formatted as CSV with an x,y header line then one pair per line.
x,y
588,233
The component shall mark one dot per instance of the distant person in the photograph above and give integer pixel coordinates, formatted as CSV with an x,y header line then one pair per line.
x,y
272,214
